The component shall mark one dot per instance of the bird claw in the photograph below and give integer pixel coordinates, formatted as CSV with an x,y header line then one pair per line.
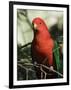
x,y
51,68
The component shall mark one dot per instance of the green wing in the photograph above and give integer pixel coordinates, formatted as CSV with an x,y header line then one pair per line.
x,y
57,56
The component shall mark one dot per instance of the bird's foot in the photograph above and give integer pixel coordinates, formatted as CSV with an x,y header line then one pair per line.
x,y
51,68
50,72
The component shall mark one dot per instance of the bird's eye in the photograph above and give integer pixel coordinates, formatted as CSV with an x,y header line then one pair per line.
x,y
40,22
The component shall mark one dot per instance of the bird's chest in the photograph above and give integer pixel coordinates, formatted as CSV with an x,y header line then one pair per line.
x,y
41,47
42,44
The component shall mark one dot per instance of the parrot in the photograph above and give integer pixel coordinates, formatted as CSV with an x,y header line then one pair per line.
x,y
42,44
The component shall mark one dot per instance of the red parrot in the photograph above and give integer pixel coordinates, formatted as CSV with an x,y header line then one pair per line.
x,y
42,44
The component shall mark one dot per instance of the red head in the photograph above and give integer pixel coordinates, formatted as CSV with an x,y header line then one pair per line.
x,y
39,24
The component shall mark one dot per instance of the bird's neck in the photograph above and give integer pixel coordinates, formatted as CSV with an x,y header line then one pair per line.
x,y
42,35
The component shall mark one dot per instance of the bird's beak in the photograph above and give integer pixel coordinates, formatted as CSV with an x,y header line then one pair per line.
x,y
35,27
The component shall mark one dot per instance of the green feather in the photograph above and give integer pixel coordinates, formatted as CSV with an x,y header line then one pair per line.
x,y
57,56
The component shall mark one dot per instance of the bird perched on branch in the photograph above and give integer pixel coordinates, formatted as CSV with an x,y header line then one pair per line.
x,y
42,44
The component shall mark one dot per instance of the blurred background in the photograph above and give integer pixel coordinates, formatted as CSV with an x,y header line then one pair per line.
x,y
54,21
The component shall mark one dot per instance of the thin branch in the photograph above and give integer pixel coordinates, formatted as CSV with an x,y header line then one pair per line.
x,y
26,74
25,45
25,68
42,71
37,65
52,70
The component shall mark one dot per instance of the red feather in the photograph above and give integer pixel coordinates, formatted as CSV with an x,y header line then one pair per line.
x,y
42,44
